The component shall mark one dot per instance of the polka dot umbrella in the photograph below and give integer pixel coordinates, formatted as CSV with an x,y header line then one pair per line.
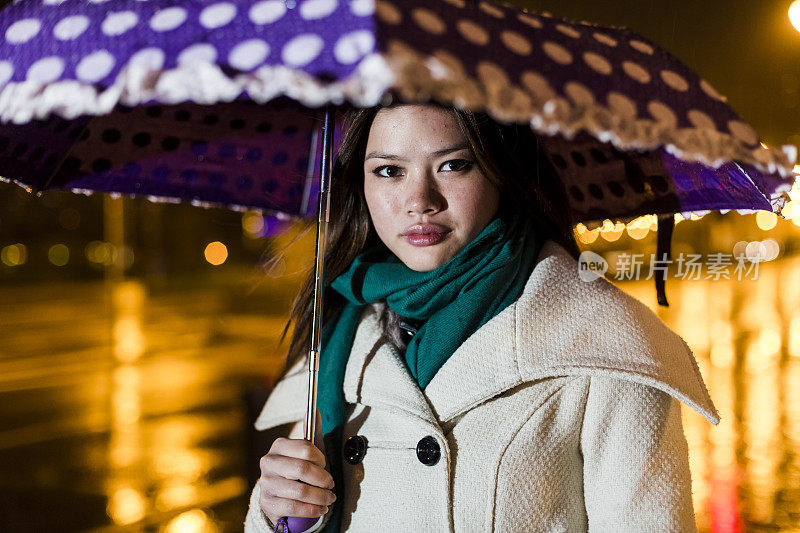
x,y
218,103
230,103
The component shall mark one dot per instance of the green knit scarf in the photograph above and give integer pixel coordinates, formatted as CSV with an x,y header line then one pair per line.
x,y
454,300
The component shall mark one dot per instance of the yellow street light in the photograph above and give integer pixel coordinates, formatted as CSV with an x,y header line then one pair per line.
x,y
794,14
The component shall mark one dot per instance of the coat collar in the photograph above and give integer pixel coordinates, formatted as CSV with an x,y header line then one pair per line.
x,y
560,327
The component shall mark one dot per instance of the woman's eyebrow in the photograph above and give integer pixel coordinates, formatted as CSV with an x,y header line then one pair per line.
x,y
437,153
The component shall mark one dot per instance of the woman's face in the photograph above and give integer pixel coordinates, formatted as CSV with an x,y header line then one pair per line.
x,y
426,196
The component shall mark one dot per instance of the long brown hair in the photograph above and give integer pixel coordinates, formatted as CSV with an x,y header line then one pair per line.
x,y
510,157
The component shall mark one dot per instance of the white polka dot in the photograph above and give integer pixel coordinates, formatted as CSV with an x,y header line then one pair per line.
x,y
362,8
533,22
636,71
642,47
674,80
23,31
6,71
267,12
353,46
317,9
387,12
569,31
98,1
217,15
701,120
537,85
621,104
579,93
54,2
491,10
663,114
711,91
70,27
302,50
168,19
197,53
95,66
515,42
597,63
150,58
247,55
605,39
743,132
46,69
428,21
557,53
118,23
472,32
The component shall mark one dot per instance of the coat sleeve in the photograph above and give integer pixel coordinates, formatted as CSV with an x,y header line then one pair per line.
x,y
284,408
636,460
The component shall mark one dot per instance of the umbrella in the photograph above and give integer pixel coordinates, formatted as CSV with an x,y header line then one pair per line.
x,y
230,104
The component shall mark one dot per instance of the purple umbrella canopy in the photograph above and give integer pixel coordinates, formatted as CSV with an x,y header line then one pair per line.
x,y
220,103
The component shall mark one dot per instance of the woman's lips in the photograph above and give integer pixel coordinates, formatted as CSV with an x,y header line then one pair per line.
x,y
425,239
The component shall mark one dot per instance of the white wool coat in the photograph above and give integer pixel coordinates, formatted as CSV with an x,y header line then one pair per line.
x,y
559,414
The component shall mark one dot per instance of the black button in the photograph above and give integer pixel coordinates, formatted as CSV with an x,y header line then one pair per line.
x,y
428,451
354,449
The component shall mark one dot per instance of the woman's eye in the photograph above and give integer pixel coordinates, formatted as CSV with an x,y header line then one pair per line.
x,y
392,171
458,165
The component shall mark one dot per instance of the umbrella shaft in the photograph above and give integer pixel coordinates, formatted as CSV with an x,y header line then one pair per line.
x,y
311,407
319,269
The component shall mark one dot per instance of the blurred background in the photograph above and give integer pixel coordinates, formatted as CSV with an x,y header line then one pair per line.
x,y
137,339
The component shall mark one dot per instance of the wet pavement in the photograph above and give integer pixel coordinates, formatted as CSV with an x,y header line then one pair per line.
x,y
122,408
124,411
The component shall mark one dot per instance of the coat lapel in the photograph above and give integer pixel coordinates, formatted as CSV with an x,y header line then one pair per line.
x,y
565,326
377,374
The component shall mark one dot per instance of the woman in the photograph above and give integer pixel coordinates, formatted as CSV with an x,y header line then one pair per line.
x,y
469,380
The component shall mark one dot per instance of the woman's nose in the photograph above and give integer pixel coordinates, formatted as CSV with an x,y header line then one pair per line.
x,y
423,197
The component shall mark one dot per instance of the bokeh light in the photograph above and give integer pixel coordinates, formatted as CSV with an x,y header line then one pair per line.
x,y
58,254
586,235
14,254
640,227
794,14
253,224
611,231
756,251
216,253
69,218
766,220
100,252
127,505
122,257
194,521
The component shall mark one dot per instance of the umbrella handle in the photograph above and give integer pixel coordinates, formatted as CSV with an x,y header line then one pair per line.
x,y
297,524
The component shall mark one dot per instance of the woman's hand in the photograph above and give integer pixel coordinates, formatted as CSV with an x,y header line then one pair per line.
x,y
294,480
